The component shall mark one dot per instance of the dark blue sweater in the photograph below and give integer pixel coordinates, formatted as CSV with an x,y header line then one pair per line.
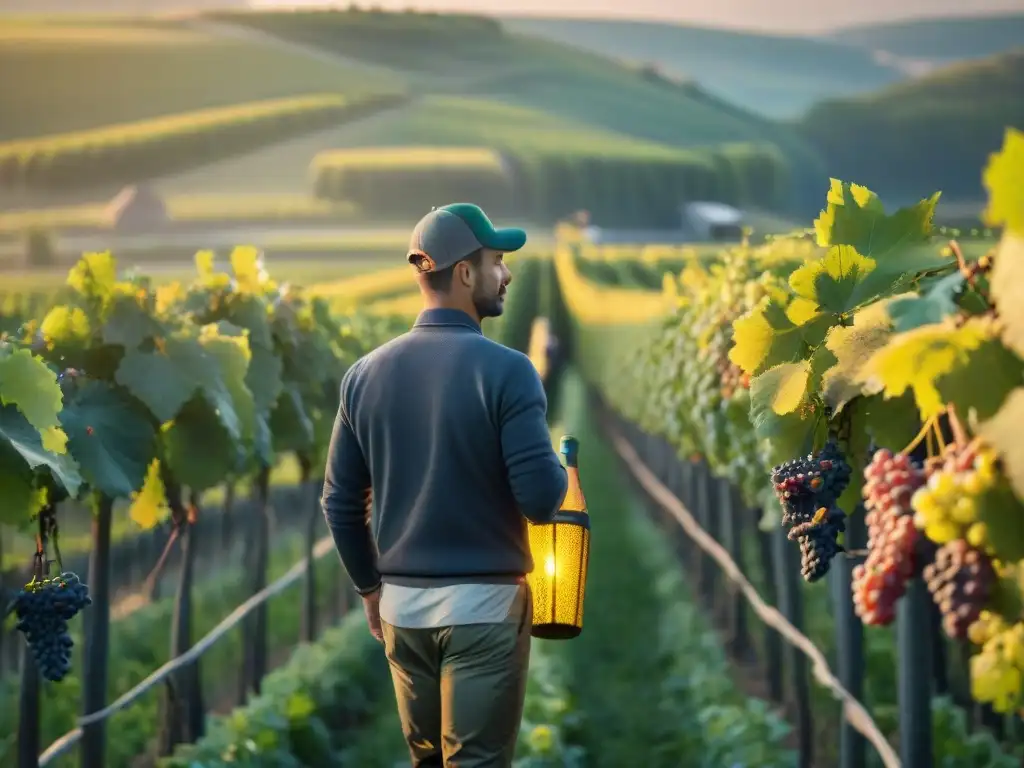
x,y
449,430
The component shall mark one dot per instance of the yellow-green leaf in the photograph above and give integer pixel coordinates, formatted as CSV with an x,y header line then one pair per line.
x,y
853,346
764,337
1003,433
1002,178
28,384
248,269
855,217
1007,288
917,359
204,263
95,275
149,504
65,325
784,387
831,282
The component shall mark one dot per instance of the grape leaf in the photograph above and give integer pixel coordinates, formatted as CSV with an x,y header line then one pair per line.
x,y
831,283
1003,518
909,312
786,427
916,359
251,313
65,326
780,389
1002,178
852,346
26,441
247,267
204,263
979,386
199,451
891,422
1007,288
94,276
290,424
765,337
22,499
263,378
854,216
232,355
28,383
1003,433
128,324
111,436
163,381
149,504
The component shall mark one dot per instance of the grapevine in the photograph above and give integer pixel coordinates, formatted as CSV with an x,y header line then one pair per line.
x,y
871,325
135,393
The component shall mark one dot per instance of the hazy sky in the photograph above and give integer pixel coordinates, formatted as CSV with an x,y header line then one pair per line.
x,y
776,15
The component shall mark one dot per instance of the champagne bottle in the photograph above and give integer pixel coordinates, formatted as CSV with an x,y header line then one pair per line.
x,y
574,500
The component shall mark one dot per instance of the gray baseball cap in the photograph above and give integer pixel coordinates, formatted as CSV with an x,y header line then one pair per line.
x,y
449,234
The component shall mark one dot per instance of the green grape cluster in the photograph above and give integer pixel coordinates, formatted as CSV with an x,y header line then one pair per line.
x,y
997,670
946,507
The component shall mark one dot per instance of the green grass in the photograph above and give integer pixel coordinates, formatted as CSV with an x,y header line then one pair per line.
x,y
58,77
140,644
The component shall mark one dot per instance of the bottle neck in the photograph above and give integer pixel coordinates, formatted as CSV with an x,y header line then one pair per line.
x,y
574,499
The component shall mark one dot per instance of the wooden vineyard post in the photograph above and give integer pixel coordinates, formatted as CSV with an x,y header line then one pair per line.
x,y
28,712
262,559
3,601
914,676
787,574
309,592
849,636
709,522
732,539
226,518
97,636
184,711
772,641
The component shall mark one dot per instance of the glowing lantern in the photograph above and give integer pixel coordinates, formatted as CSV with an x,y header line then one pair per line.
x,y
561,550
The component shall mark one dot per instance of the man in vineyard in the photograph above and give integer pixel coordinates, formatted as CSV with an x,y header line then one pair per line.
x,y
449,431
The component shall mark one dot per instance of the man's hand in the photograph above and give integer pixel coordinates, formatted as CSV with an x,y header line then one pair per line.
x,y
371,607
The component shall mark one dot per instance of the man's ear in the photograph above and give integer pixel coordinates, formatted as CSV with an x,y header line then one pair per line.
x,y
464,273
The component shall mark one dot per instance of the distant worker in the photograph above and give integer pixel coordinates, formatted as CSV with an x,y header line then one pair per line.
x,y
449,431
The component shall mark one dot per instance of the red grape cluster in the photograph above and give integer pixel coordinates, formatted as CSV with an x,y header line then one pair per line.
x,y
960,580
890,482
807,489
819,541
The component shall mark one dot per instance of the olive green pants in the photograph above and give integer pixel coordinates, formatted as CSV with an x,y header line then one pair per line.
x,y
460,690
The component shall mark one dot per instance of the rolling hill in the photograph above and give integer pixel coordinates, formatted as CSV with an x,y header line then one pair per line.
x,y
61,75
916,137
939,40
481,59
776,76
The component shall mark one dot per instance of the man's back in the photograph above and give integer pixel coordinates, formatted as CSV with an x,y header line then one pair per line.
x,y
448,423
449,429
